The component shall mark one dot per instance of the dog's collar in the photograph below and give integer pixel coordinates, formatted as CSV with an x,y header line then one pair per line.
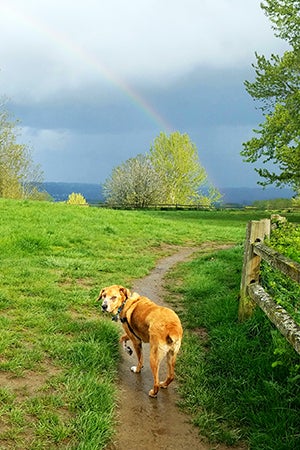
x,y
116,317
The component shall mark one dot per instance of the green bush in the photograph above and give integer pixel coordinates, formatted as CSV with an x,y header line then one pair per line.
x,y
76,199
286,240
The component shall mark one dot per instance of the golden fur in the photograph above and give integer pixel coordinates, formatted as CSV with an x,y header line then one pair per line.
x,y
145,321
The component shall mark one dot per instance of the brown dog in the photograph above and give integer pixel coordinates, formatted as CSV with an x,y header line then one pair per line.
x,y
144,321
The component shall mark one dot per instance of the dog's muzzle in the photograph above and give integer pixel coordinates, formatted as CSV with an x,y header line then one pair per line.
x,y
104,306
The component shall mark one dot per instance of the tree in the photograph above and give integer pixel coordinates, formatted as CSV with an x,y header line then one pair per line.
x,y
285,17
18,175
169,174
277,87
175,161
133,183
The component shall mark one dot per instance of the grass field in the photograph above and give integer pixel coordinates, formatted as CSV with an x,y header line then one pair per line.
x,y
59,357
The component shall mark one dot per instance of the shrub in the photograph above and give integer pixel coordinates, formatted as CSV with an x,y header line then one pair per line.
x,y
286,292
76,199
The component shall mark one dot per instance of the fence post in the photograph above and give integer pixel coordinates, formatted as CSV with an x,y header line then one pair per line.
x,y
256,232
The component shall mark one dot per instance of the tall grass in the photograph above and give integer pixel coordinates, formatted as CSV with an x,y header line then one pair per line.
x,y
229,379
58,355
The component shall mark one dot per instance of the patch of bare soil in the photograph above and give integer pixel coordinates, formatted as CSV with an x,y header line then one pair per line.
x,y
155,424
31,382
29,385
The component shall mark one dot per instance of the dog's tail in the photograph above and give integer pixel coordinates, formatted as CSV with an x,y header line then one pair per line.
x,y
169,340
174,342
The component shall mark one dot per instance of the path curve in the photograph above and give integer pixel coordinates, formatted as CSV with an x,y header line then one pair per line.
x,y
154,424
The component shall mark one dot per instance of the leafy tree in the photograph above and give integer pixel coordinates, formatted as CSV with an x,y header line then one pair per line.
x,y
169,174
175,161
277,87
285,17
18,175
133,183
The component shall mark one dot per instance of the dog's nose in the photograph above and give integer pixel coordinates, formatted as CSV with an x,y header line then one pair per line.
x,y
104,306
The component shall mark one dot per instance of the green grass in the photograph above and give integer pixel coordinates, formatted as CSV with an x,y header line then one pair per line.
x,y
58,355
286,240
239,381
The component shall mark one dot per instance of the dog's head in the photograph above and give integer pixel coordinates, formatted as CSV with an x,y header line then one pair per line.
x,y
113,297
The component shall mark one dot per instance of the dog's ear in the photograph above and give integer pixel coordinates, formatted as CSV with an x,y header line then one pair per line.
x,y
100,295
125,291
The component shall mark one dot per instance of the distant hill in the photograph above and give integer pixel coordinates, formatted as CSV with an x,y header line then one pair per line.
x,y
93,193
246,196
60,192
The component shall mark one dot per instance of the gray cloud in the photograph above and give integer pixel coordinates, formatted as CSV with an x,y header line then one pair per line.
x,y
54,45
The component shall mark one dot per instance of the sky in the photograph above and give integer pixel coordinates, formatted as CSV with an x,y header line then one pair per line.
x,y
94,82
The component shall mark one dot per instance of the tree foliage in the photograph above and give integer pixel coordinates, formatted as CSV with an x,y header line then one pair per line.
x,y
285,18
169,174
277,88
175,160
133,183
18,175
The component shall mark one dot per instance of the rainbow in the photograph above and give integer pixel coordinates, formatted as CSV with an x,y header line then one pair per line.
x,y
84,56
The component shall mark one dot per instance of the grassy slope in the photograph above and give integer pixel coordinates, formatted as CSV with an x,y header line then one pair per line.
x,y
58,355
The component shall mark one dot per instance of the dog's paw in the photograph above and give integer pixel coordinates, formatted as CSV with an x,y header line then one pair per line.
x,y
163,385
152,394
136,369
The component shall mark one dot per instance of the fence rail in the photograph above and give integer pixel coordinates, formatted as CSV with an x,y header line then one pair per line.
x,y
252,294
278,261
196,207
159,206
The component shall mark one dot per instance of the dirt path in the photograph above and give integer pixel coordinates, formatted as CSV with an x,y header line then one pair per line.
x,y
154,424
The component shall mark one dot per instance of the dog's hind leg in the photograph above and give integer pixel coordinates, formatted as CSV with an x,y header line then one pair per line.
x,y
171,360
156,355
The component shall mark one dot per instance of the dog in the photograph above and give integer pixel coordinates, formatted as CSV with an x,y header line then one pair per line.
x,y
145,321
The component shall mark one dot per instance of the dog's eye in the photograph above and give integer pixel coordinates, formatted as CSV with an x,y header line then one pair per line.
x,y
113,297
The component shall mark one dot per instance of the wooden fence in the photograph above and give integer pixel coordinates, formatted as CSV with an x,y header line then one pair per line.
x,y
157,206
253,294
197,207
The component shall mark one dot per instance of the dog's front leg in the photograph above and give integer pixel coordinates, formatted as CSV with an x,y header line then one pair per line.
x,y
123,341
137,344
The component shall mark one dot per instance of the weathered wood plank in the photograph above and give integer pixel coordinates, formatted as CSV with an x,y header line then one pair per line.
x,y
277,314
278,261
256,231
